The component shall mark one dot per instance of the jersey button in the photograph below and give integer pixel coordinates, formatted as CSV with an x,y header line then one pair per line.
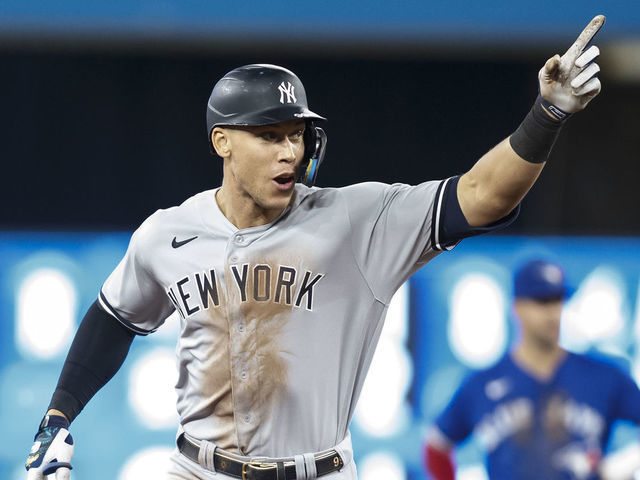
x,y
241,328
234,258
247,418
239,239
243,374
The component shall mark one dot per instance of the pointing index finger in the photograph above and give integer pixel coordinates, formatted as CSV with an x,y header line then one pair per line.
x,y
585,37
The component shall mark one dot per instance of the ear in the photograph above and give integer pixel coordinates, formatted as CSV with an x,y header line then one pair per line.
x,y
221,142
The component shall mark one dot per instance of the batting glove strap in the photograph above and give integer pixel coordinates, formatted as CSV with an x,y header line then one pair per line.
x,y
53,421
536,135
53,466
552,110
52,447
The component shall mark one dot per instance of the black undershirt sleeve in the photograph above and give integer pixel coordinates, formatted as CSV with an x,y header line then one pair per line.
x,y
98,350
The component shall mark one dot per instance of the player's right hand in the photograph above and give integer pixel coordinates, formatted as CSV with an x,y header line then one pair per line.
x,y
569,81
51,451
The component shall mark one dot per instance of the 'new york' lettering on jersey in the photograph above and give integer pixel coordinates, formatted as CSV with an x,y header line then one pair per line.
x,y
259,283
280,320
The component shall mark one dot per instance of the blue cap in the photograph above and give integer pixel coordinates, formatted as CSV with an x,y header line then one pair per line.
x,y
540,280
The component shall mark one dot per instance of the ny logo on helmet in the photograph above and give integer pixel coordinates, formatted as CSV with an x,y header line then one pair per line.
x,y
287,90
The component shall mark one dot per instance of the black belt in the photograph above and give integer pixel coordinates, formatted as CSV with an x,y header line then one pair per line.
x,y
325,463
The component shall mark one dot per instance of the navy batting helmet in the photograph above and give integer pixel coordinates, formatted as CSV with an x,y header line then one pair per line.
x,y
262,94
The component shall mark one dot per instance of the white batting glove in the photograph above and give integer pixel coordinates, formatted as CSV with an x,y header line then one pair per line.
x,y
568,82
51,451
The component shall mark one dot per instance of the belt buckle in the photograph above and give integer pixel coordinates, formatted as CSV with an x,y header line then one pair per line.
x,y
257,465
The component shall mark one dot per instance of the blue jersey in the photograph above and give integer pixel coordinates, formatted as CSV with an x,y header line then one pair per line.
x,y
532,429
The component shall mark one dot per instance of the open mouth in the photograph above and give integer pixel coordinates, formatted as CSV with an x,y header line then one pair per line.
x,y
285,181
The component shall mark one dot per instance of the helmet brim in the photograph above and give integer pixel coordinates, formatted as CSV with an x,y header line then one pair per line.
x,y
272,116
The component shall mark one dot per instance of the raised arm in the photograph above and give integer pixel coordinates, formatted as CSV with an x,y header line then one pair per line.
x,y
501,178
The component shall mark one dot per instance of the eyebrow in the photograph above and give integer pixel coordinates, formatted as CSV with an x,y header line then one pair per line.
x,y
274,127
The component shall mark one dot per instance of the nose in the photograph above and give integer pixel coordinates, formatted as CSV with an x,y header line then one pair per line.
x,y
287,151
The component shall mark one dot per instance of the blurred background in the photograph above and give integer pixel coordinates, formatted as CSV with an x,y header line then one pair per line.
x,y
103,123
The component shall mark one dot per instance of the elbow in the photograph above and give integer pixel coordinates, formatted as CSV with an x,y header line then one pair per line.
x,y
495,209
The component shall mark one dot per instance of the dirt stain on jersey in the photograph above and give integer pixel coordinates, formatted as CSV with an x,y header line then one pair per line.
x,y
266,320
247,360
217,386
269,321
257,329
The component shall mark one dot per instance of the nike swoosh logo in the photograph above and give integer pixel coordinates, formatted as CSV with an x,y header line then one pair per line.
x,y
177,244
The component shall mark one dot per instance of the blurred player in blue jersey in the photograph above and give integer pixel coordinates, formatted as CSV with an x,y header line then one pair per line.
x,y
541,412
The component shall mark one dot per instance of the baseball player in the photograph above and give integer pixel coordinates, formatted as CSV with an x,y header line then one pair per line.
x,y
282,287
540,412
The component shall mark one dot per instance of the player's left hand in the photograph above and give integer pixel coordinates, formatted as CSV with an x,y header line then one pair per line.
x,y
51,451
569,81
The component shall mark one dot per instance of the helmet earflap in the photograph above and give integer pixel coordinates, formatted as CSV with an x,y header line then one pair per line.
x,y
315,146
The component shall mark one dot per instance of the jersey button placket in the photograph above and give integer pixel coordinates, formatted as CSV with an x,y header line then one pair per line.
x,y
243,389
238,240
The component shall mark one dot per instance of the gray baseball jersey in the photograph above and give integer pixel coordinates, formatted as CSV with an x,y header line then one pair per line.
x,y
278,322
